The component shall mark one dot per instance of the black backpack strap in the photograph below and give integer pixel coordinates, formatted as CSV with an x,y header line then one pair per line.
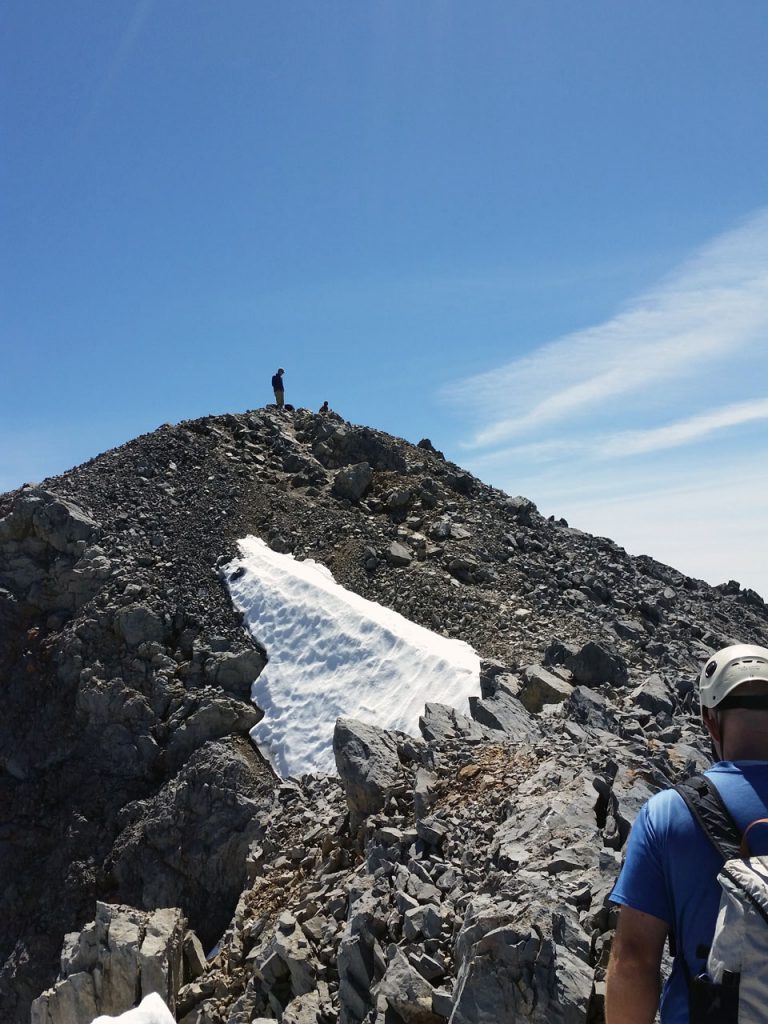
x,y
716,822
713,817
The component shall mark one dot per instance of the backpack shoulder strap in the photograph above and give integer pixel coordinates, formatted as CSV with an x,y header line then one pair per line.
x,y
713,817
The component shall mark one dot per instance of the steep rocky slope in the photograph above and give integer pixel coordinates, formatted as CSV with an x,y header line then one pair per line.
x,y
448,868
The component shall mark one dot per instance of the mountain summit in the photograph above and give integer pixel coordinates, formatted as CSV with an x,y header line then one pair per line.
x,y
454,874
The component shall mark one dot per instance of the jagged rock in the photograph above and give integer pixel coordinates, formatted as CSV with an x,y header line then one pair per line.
x,y
398,554
235,672
120,957
399,501
523,509
187,846
138,624
510,969
542,687
441,722
653,695
368,765
596,664
194,956
505,713
405,991
304,1009
285,967
353,481
558,653
208,715
355,967
590,708
423,792
462,568
422,920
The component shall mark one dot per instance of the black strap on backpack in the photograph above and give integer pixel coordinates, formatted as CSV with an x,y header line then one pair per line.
x,y
716,822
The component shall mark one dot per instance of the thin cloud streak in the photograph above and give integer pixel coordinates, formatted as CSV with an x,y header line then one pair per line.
x,y
631,442
138,19
636,442
715,306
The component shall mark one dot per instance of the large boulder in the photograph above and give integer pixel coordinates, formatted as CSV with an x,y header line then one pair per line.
x,y
406,992
511,967
594,664
236,671
352,482
542,687
368,764
442,722
187,845
504,712
653,695
122,956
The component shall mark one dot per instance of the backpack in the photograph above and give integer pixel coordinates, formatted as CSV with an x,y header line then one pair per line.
x,y
734,989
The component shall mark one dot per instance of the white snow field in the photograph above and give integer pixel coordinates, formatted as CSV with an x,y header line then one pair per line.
x,y
333,653
151,1010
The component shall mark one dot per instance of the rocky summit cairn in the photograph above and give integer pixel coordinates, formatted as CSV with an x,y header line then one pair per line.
x,y
461,875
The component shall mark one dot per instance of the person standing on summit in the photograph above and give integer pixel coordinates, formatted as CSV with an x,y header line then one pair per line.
x,y
277,387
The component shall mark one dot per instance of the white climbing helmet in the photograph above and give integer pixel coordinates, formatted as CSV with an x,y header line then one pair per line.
x,y
729,668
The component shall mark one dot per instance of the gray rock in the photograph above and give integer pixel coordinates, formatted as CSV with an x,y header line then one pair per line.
x,y
462,568
423,920
590,709
208,715
442,722
399,501
304,1009
398,554
542,687
352,482
368,765
423,792
596,664
506,714
630,629
138,624
187,845
406,992
517,971
653,695
236,672
355,967
118,959
194,956
62,524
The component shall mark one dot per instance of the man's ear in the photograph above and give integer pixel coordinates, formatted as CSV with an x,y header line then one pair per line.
x,y
712,722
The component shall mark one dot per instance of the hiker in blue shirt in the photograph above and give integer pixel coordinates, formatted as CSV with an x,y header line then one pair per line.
x,y
279,388
668,885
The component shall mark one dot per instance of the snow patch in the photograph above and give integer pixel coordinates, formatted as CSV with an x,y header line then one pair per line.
x,y
333,653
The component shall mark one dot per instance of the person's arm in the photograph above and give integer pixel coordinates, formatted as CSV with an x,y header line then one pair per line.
x,y
632,985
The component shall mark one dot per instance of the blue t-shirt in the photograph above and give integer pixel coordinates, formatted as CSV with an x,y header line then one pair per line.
x,y
671,868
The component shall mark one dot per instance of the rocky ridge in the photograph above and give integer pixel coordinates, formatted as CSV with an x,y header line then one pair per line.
x,y
452,876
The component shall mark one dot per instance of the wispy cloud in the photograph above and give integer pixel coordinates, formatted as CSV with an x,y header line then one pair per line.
x,y
635,442
714,306
139,15
629,442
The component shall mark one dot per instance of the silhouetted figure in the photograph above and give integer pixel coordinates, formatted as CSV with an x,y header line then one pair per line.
x,y
278,388
325,407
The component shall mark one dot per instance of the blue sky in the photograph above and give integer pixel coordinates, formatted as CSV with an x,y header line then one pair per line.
x,y
535,232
